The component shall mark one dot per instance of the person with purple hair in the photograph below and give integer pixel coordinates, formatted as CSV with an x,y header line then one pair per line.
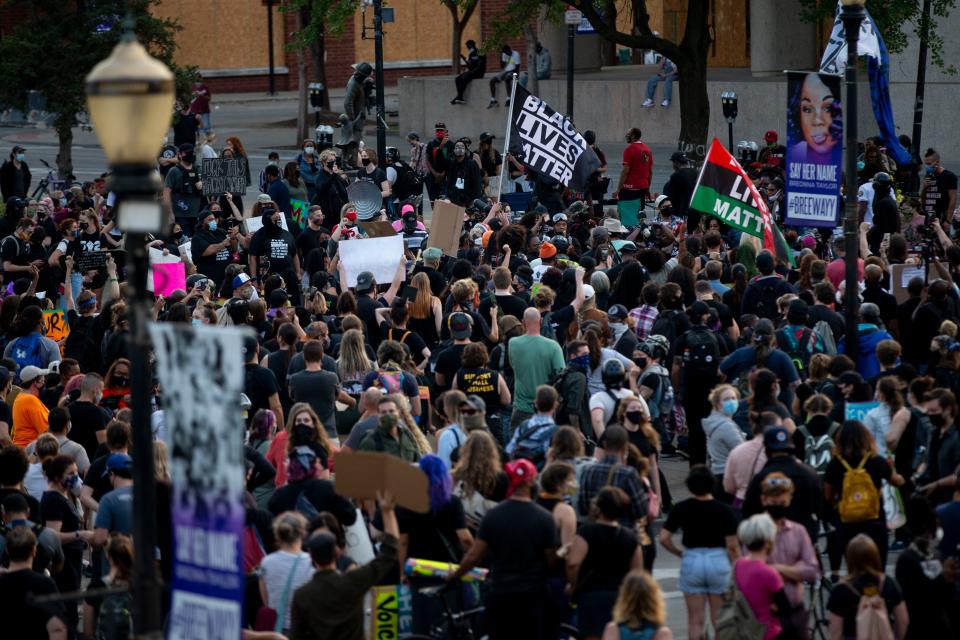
x,y
260,434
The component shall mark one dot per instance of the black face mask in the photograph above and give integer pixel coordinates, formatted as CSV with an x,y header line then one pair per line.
x,y
365,162
121,381
189,158
83,226
778,511
666,212
641,362
303,433
937,419
331,164
635,417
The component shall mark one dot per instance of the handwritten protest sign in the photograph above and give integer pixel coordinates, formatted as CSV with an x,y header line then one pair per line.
x,y
168,277
379,256
91,261
223,175
445,227
300,210
57,327
859,410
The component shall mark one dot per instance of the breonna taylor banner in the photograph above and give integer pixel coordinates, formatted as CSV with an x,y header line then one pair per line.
x,y
726,192
547,142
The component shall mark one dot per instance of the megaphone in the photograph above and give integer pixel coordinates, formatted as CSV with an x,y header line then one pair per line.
x,y
367,197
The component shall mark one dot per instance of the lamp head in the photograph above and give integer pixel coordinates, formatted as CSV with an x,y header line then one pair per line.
x,y
130,98
854,4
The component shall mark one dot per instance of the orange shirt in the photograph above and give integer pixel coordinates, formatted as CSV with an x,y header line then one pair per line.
x,y
29,419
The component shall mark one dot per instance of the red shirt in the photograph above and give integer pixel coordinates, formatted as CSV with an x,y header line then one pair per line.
x,y
837,271
639,158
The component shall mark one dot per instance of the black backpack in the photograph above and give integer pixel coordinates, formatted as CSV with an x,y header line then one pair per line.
x,y
665,326
766,306
408,183
546,326
701,355
799,346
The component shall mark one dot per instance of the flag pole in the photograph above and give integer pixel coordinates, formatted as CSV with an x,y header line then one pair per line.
x,y
506,138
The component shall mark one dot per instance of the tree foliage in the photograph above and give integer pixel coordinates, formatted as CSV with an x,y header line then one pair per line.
x,y
897,20
56,47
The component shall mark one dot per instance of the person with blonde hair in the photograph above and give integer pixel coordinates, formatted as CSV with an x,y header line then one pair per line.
x,y
406,419
640,611
353,364
161,460
287,568
426,311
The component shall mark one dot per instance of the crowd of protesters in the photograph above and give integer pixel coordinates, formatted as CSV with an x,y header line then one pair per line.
x,y
539,378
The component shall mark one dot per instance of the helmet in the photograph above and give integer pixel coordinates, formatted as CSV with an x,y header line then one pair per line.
x,y
613,374
561,243
392,154
882,179
656,346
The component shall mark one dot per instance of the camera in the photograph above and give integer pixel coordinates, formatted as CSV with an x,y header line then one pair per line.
x,y
479,207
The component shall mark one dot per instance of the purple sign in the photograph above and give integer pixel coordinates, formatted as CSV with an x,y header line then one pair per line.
x,y
201,374
814,149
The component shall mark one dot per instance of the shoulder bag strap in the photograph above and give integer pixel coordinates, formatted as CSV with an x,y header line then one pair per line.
x,y
281,610
610,474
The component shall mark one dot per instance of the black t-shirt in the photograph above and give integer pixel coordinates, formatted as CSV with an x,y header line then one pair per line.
x,y
437,282
878,468
319,389
31,502
518,535
560,319
407,337
434,536
367,311
16,251
608,559
378,176
321,495
691,515
508,305
936,196
86,420
844,600
449,362
21,618
215,266
279,250
277,363
97,479
186,198
481,382
185,129
54,507
308,240
260,385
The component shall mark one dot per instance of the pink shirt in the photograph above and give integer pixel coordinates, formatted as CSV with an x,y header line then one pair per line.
x,y
742,464
758,581
793,548
836,271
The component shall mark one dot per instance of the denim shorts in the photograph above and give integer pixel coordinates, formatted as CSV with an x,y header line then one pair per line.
x,y
704,570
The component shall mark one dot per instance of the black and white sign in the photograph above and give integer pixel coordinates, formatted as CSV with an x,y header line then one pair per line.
x,y
223,175
547,142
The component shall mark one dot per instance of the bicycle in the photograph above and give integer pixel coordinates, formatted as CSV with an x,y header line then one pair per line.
x,y
51,182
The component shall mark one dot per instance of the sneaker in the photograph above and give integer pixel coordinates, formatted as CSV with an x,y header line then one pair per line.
x,y
456,101
493,103
665,103
647,103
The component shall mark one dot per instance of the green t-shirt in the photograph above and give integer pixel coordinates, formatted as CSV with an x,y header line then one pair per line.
x,y
533,359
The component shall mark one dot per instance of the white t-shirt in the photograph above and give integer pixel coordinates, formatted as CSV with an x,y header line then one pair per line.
x,y
511,62
391,175
276,568
35,482
865,194
602,400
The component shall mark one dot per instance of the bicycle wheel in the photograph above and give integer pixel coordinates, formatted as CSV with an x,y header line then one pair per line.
x,y
569,632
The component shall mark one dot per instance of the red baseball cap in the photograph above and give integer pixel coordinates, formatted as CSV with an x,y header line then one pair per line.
x,y
771,136
519,472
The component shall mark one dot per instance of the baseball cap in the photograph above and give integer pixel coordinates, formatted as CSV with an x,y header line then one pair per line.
x,y
250,346
408,209
869,310
186,147
240,280
364,281
628,246
617,312
476,403
30,373
547,250
679,157
777,439
413,135
660,198
278,298
486,135
460,325
519,472
771,136
440,126
699,308
118,461
588,291
263,197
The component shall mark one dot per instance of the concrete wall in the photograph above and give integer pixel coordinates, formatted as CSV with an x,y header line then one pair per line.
x,y
611,106
779,40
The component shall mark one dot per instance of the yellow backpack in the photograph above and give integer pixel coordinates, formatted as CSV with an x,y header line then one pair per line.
x,y
860,501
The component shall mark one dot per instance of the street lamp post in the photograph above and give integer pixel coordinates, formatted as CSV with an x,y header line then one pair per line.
x,y
851,15
130,98
378,62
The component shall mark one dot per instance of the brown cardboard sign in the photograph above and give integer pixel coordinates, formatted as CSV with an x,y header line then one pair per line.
x,y
445,227
361,475
378,229
900,276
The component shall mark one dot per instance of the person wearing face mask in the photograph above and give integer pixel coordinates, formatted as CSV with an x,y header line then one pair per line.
x,y
60,512
310,167
463,181
273,159
279,194
116,385
88,418
886,211
212,247
723,434
938,480
15,175
15,252
390,436
370,171
273,251
939,190
330,192
439,153
183,190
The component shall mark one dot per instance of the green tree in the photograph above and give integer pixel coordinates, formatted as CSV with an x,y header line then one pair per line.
x,y
897,20
460,13
316,19
689,54
56,47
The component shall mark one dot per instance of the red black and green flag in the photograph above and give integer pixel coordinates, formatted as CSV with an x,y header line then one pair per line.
x,y
726,192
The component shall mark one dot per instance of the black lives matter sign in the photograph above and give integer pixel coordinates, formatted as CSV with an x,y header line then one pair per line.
x,y
223,175
548,143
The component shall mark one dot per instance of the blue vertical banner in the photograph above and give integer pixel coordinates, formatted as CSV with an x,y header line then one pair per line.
x,y
201,375
814,149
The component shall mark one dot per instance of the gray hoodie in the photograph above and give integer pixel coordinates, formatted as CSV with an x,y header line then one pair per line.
x,y
723,435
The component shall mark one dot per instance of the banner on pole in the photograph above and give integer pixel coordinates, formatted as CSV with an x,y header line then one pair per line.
x,y
201,373
814,149
548,143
